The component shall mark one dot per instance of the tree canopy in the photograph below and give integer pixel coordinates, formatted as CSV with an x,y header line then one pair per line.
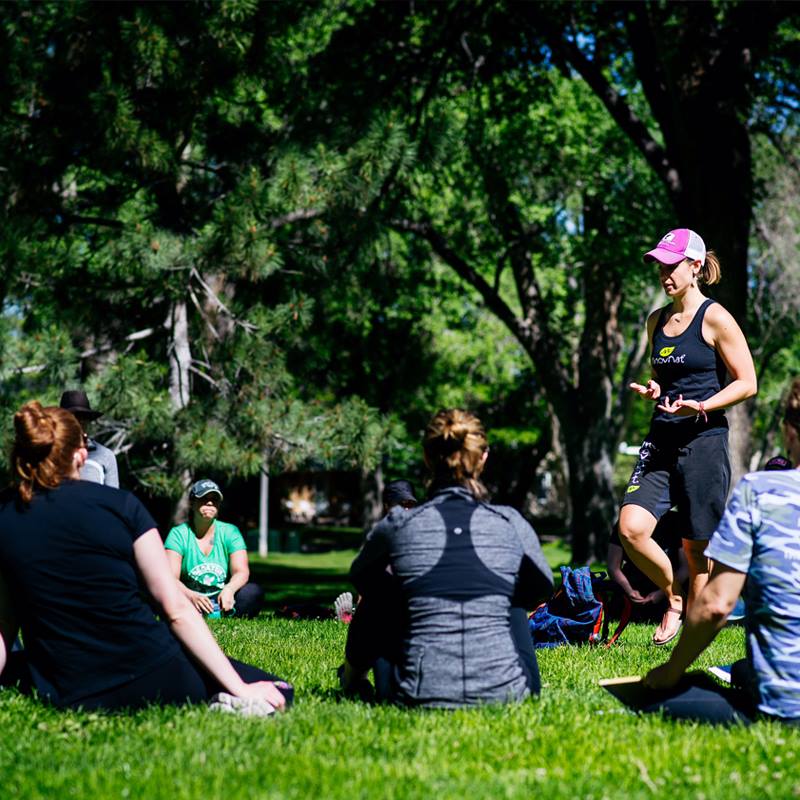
x,y
286,233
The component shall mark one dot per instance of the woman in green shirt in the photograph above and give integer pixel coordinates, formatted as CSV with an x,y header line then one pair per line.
x,y
209,558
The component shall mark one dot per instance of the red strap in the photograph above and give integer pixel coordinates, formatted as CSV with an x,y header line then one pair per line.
x,y
624,619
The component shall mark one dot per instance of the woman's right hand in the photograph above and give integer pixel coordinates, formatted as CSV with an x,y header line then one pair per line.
x,y
202,603
263,690
652,391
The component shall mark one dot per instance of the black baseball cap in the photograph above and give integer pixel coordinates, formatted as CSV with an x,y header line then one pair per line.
x,y
778,462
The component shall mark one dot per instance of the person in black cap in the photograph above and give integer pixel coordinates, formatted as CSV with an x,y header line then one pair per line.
x,y
395,493
101,465
209,558
778,463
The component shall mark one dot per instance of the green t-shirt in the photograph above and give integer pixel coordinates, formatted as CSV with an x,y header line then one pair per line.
x,y
205,573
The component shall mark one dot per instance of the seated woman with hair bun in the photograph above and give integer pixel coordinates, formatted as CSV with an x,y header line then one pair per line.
x,y
448,627
76,558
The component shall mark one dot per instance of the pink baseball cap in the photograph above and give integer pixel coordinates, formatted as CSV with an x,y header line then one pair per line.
x,y
677,245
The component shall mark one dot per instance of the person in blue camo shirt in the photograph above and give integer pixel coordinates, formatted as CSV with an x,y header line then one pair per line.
x,y
758,540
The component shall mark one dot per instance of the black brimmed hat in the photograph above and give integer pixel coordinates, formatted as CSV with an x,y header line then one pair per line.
x,y
77,402
397,492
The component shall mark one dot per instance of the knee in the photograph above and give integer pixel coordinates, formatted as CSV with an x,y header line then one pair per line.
x,y
249,600
631,534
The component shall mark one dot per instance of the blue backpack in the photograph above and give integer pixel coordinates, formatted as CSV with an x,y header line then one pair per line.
x,y
574,615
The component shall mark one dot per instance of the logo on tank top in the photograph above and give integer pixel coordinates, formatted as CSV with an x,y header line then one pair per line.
x,y
665,357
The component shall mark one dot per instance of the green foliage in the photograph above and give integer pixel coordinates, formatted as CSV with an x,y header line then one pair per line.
x,y
160,186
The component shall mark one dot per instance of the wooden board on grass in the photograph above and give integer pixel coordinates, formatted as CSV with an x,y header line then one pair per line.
x,y
629,690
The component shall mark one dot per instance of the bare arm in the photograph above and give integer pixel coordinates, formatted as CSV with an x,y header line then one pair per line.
x,y
614,564
728,340
199,601
239,575
188,626
706,617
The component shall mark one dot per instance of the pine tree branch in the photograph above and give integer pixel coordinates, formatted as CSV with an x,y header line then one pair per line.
x,y
300,215
77,219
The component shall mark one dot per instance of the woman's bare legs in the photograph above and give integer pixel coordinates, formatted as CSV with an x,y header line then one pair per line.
x,y
636,526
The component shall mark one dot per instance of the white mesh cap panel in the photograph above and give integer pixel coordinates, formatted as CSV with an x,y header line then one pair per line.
x,y
696,248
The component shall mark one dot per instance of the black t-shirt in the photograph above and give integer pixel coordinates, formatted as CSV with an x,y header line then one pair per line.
x,y
67,560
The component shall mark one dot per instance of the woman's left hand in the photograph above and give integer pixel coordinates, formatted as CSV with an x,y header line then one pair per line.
x,y
681,407
225,599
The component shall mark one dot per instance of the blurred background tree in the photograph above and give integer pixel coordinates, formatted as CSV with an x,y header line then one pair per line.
x,y
289,232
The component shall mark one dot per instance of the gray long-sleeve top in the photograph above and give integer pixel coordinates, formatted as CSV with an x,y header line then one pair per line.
x,y
462,565
100,466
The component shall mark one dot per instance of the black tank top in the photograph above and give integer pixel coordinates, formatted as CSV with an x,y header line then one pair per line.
x,y
687,365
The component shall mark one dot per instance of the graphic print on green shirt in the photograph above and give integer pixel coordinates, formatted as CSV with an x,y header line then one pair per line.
x,y
203,573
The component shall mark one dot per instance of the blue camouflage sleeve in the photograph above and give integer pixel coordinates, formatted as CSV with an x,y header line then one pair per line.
x,y
732,542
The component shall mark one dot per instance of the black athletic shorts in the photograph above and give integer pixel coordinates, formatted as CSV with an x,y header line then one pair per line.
x,y
694,476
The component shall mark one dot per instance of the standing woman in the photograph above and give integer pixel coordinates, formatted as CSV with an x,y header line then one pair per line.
x,y
684,460
76,559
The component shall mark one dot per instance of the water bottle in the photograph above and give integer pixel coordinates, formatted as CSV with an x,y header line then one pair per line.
x,y
215,612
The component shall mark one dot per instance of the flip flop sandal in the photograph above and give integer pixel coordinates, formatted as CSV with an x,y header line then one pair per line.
x,y
660,642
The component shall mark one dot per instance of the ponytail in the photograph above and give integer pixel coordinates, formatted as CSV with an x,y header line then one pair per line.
x,y
711,272
454,445
44,445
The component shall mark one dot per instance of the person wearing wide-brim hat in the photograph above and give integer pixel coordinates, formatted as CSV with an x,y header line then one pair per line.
x,y
209,558
101,465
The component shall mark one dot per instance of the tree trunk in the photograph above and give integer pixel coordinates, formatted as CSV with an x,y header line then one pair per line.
x,y
180,359
716,201
590,456
371,491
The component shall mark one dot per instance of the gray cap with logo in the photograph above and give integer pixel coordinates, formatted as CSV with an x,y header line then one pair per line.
x,y
204,487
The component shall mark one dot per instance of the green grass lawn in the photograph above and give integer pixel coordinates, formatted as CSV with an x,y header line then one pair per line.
x,y
575,741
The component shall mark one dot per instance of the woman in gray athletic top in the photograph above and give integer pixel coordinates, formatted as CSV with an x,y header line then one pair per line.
x,y
445,625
